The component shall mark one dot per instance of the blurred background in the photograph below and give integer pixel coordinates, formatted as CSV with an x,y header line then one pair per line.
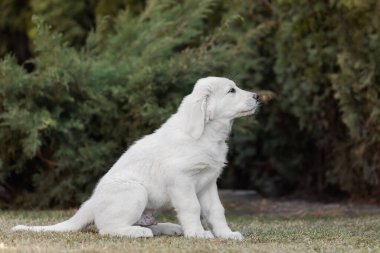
x,y
80,81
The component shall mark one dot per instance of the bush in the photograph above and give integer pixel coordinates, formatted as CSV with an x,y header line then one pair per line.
x,y
64,124
327,58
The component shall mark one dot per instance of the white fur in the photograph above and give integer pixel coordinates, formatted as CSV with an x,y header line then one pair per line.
x,y
176,166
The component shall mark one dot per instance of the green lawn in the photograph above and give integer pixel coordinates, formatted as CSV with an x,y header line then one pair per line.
x,y
263,233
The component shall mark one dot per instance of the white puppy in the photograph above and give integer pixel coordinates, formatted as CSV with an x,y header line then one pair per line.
x,y
176,166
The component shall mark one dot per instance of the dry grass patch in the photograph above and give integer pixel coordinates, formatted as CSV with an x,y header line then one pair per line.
x,y
264,233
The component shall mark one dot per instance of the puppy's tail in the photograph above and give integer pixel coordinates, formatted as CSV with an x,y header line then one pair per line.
x,y
79,221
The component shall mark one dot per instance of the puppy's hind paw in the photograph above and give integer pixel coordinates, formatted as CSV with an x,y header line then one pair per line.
x,y
166,229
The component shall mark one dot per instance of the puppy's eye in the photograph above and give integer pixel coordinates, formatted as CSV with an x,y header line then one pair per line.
x,y
232,90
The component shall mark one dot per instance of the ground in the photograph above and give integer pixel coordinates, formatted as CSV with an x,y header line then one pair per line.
x,y
268,226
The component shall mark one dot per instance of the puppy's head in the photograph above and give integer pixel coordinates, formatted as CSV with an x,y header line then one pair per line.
x,y
215,98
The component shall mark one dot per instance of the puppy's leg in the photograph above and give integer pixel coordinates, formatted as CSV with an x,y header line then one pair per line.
x,y
186,204
147,220
128,231
166,229
120,209
213,213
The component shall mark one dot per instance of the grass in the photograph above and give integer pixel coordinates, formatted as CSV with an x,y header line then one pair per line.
x,y
264,233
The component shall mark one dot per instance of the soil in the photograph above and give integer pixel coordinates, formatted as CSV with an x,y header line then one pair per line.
x,y
249,202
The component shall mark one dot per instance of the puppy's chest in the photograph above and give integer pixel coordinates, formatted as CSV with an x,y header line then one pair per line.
x,y
218,153
213,159
209,169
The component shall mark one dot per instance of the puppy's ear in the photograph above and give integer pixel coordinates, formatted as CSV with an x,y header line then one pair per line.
x,y
196,113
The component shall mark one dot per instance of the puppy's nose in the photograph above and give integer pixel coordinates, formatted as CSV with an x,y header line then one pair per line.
x,y
255,96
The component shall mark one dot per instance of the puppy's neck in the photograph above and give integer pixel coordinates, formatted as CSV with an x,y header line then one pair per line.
x,y
218,129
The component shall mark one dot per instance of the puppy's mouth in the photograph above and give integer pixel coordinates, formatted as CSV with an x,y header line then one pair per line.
x,y
247,112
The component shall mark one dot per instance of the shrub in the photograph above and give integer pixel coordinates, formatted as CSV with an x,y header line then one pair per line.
x,y
64,124
327,58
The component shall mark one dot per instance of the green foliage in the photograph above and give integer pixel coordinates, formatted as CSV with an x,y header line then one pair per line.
x,y
93,92
327,61
64,124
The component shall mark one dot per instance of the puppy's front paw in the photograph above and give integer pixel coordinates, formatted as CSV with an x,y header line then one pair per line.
x,y
200,234
230,235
